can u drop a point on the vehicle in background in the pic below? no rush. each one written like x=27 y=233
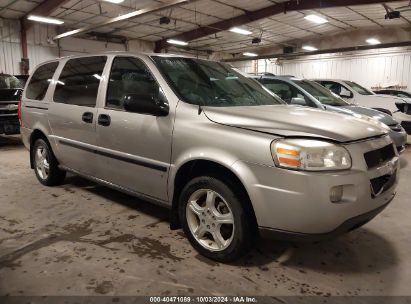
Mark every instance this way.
x=10 y=95
x=227 y=156
x=23 y=79
x=396 y=93
x=354 y=93
x=309 y=93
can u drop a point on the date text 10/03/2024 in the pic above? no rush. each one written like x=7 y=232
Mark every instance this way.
x=186 y=299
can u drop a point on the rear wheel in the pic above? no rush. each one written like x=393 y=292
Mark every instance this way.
x=214 y=220
x=45 y=164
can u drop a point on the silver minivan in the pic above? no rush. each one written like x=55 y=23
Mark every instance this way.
x=230 y=159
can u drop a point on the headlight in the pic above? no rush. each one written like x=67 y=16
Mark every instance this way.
x=309 y=155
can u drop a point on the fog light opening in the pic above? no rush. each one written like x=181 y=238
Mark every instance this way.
x=336 y=194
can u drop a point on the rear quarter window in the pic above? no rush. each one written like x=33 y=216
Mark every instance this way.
x=40 y=81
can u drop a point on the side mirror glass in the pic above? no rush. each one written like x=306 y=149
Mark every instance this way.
x=298 y=101
x=147 y=103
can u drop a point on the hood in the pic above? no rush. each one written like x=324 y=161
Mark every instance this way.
x=287 y=120
x=365 y=113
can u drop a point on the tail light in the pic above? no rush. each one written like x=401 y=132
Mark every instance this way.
x=19 y=113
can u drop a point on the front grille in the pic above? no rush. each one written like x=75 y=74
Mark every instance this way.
x=380 y=184
x=4 y=112
x=8 y=109
x=407 y=126
x=378 y=157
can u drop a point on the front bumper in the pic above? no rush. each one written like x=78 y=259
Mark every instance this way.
x=9 y=126
x=298 y=202
x=347 y=226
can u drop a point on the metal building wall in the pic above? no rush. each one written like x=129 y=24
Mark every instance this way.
x=40 y=46
x=369 y=68
x=10 y=53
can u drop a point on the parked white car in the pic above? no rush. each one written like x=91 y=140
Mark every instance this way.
x=400 y=108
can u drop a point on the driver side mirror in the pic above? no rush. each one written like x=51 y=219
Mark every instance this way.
x=147 y=103
x=298 y=101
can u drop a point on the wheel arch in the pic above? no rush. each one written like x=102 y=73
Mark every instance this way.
x=206 y=167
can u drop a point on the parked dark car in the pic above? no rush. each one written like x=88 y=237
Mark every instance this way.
x=10 y=93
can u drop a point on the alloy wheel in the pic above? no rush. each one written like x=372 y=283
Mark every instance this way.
x=41 y=160
x=210 y=219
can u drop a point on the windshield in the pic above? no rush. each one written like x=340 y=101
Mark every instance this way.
x=9 y=82
x=321 y=94
x=213 y=84
x=359 y=89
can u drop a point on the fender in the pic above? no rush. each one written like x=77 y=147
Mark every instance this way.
x=217 y=156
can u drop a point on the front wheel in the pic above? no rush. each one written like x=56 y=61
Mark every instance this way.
x=214 y=219
x=45 y=164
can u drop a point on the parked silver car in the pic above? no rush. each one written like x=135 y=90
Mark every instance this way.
x=228 y=157
x=398 y=107
x=311 y=94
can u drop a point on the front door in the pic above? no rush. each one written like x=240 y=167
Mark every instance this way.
x=72 y=115
x=135 y=148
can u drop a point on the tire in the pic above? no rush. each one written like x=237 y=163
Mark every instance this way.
x=46 y=164
x=223 y=242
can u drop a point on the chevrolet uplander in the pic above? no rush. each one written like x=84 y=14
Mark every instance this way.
x=228 y=157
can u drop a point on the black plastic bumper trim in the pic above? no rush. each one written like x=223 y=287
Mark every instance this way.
x=121 y=158
x=36 y=107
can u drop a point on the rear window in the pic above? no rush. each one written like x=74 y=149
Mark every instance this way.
x=40 y=81
x=79 y=81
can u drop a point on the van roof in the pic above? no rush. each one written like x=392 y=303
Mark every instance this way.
x=122 y=53
x=115 y=53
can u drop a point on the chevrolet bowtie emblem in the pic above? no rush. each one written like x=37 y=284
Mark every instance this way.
x=12 y=107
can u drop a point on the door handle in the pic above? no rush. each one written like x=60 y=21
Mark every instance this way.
x=87 y=117
x=104 y=120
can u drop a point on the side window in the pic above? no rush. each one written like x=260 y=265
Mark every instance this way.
x=130 y=79
x=79 y=81
x=281 y=89
x=285 y=91
x=337 y=88
x=332 y=86
x=40 y=81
